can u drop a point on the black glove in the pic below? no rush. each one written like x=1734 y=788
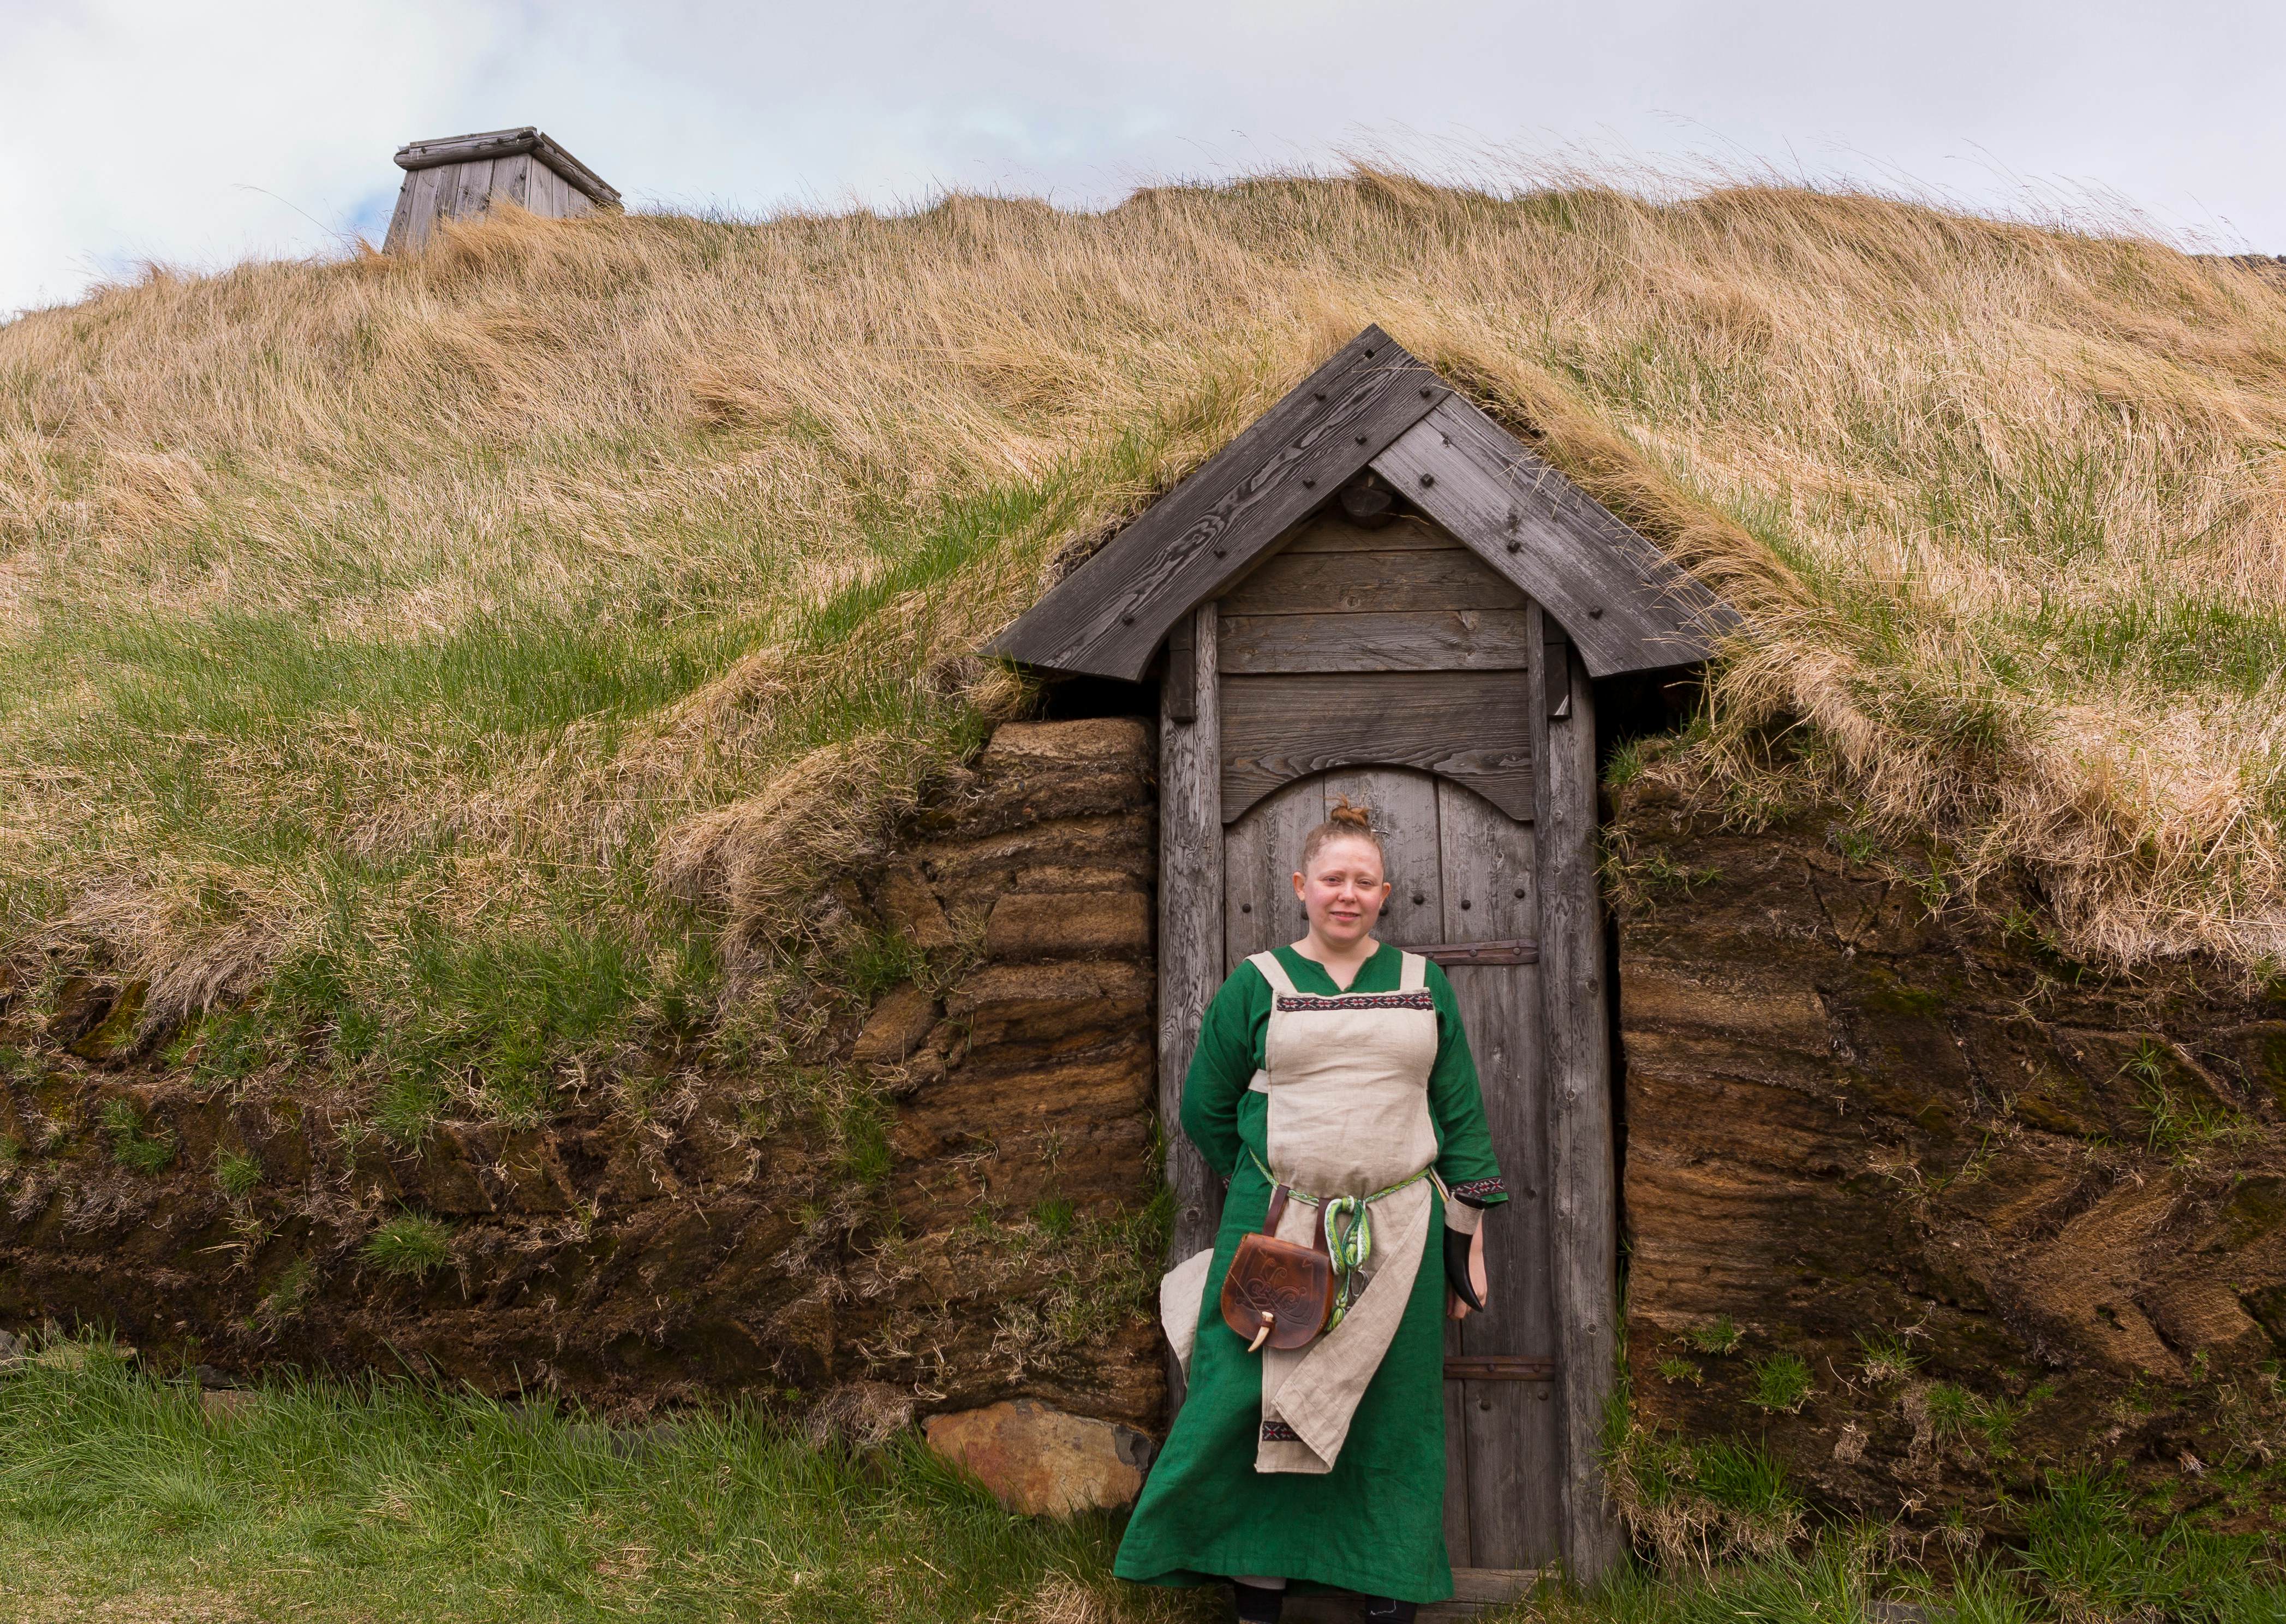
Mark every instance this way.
x=1457 y=1268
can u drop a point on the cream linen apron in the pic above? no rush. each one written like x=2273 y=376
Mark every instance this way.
x=1347 y=1077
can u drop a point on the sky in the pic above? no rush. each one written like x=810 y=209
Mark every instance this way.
x=197 y=135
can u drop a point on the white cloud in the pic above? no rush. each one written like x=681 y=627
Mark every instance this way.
x=131 y=128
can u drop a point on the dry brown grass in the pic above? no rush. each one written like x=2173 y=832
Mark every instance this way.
x=576 y=568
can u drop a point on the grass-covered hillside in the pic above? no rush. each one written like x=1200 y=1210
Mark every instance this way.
x=125 y=1496
x=455 y=673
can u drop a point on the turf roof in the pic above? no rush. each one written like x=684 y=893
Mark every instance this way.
x=486 y=655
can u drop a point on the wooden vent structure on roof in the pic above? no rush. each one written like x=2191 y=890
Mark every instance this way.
x=1377 y=591
x=457 y=178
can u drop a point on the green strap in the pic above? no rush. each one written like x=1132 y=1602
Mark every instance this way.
x=1348 y=1224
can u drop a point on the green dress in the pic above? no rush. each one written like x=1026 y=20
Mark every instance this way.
x=1375 y=1524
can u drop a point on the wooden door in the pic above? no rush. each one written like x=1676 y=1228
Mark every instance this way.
x=1463 y=873
x=1393 y=665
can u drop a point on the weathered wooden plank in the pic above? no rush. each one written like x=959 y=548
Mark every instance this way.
x=1178 y=693
x=1439 y=640
x=1498 y=1368
x=1486 y=1587
x=1262 y=851
x=420 y=212
x=1458 y=1551
x=1403 y=806
x=1623 y=604
x=1582 y=1237
x=549 y=192
x=1190 y=946
x=1458 y=724
x=1332 y=533
x=512 y=178
x=1489 y=895
x=459 y=149
x=1558 y=671
x=399 y=218
x=1355 y=582
x=1111 y=612
x=472 y=188
x=576 y=202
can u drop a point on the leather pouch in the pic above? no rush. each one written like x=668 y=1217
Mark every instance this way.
x=1277 y=1293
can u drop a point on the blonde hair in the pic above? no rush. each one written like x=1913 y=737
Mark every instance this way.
x=1343 y=822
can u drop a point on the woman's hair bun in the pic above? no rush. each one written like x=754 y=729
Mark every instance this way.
x=1343 y=822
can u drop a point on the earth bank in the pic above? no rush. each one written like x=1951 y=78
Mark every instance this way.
x=1920 y=1206
x=949 y=1206
x=1911 y=1202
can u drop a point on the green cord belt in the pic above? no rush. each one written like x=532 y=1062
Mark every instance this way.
x=1348 y=1223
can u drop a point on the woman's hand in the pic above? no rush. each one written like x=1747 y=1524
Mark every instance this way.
x=1477 y=1277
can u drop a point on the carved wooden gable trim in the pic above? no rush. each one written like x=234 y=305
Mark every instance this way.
x=1372 y=405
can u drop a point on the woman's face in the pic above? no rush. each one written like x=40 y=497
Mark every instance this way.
x=1342 y=891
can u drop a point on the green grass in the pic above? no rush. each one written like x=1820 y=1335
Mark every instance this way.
x=1698 y=1499
x=1958 y=1415
x=2179 y=1125
x=1780 y=1382
x=2087 y=1564
x=237 y=1175
x=132 y=1144
x=288 y=1294
x=1717 y=1337
x=2089 y=1556
x=1885 y=1356
x=410 y=1244
x=386 y=1501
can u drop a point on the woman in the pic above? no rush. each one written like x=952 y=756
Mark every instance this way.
x=1336 y=1068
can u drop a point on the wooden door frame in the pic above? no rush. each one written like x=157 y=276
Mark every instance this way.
x=1575 y=1033
x=1190 y=924
x=1582 y=1207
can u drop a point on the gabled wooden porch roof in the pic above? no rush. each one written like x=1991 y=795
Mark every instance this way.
x=1372 y=405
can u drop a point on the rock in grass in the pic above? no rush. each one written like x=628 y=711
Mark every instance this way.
x=1040 y=1460
x=224 y=1404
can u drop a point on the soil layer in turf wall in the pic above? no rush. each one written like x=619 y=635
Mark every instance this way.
x=2009 y=1217
x=944 y=1205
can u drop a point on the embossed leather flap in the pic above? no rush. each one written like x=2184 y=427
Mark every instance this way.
x=1277 y=1294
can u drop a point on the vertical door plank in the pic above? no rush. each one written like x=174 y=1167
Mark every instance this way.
x=1264 y=849
x=1190 y=943
x=1513 y=1465
x=1403 y=804
x=1582 y=1239
x=1460 y=1548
